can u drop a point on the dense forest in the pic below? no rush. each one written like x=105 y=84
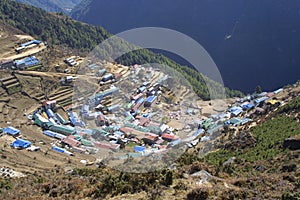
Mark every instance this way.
x=58 y=29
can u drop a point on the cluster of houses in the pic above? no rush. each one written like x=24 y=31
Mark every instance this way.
x=137 y=133
x=26 y=62
x=23 y=63
x=71 y=62
x=19 y=142
x=241 y=112
x=20 y=64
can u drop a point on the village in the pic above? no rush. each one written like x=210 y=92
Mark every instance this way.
x=117 y=112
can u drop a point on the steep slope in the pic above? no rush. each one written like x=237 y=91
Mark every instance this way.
x=58 y=29
x=260 y=37
x=52 y=5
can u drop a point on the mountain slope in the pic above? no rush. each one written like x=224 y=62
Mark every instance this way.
x=52 y=5
x=260 y=37
x=263 y=170
x=57 y=29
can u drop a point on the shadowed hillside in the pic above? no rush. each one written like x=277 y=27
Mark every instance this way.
x=257 y=38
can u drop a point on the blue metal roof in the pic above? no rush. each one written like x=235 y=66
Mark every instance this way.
x=30 y=43
x=50 y=113
x=139 y=149
x=20 y=143
x=248 y=106
x=198 y=132
x=236 y=110
x=11 y=131
x=259 y=100
x=49 y=133
x=58 y=149
x=151 y=99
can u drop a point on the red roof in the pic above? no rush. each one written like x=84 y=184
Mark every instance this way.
x=137 y=96
x=70 y=140
x=78 y=149
x=49 y=102
x=118 y=75
x=144 y=121
x=151 y=135
x=126 y=130
x=154 y=124
x=107 y=145
x=136 y=106
x=169 y=137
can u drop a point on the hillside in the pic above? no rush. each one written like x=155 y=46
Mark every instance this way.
x=251 y=163
x=253 y=36
x=58 y=29
x=53 y=5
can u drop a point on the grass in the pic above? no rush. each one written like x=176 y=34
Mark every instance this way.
x=269 y=139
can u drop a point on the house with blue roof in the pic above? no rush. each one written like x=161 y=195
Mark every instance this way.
x=20 y=144
x=247 y=106
x=11 y=131
x=235 y=111
x=139 y=149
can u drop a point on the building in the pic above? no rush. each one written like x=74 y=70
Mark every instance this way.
x=139 y=149
x=260 y=100
x=71 y=141
x=247 y=106
x=150 y=100
x=26 y=62
x=235 y=111
x=93 y=66
x=50 y=113
x=143 y=121
x=54 y=135
x=5 y=64
x=36 y=42
x=113 y=108
x=84 y=109
x=65 y=130
x=107 y=77
x=87 y=143
x=61 y=119
x=234 y=122
x=169 y=137
x=20 y=144
x=278 y=91
x=49 y=104
x=100 y=120
x=142 y=89
x=39 y=120
x=101 y=72
x=136 y=97
x=126 y=130
x=70 y=61
x=137 y=104
x=61 y=150
x=11 y=131
x=107 y=146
